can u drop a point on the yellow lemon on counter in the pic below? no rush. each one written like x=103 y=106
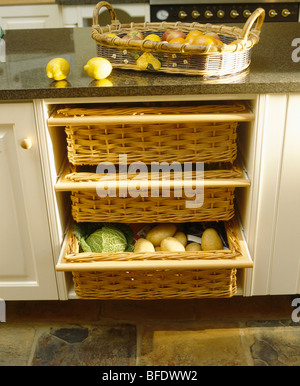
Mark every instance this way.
x=153 y=37
x=98 y=68
x=58 y=69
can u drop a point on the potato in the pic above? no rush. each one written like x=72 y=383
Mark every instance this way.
x=160 y=232
x=193 y=247
x=211 y=240
x=157 y=249
x=180 y=236
x=171 y=244
x=143 y=245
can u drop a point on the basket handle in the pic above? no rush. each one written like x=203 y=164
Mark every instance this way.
x=112 y=12
x=258 y=14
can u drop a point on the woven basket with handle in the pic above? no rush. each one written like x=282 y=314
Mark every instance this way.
x=230 y=58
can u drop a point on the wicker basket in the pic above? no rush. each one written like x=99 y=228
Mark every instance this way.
x=203 y=133
x=207 y=61
x=144 y=197
x=161 y=284
x=158 y=275
x=87 y=206
x=150 y=197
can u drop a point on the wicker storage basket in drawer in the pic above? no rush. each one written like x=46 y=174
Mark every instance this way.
x=88 y=206
x=182 y=133
x=160 y=284
x=156 y=275
x=213 y=200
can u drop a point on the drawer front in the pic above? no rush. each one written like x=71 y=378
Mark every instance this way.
x=190 y=133
x=217 y=205
x=205 y=196
x=159 y=274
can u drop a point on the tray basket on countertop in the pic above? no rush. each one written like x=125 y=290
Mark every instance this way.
x=228 y=59
x=153 y=133
x=144 y=279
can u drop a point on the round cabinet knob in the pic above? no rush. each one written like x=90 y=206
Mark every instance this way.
x=285 y=12
x=272 y=13
x=26 y=143
x=234 y=14
x=208 y=14
x=195 y=14
x=220 y=13
x=182 y=14
x=246 y=13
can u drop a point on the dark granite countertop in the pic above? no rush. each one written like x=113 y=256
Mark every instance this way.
x=23 y=75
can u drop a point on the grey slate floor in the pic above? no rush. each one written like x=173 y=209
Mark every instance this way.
x=255 y=331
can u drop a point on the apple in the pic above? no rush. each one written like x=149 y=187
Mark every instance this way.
x=173 y=34
x=134 y=34
x=213 y=34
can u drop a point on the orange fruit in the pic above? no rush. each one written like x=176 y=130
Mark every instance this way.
x=192 y=35
x=177 y=41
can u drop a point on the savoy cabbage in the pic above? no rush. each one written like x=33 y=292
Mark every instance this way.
x=104 y=237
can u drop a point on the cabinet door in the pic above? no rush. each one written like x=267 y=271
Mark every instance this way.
x=30 y=16
x=285 y=274
x=26 y=261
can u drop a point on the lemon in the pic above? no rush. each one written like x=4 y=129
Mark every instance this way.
x=111 y=35
x=153 y=37
x=58 y=69
x=98 y=68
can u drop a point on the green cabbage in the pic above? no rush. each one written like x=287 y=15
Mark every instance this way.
x=107 y=240
x=104 y=237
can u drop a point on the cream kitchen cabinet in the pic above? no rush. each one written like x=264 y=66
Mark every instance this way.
x=30 y=16
x=285 y=276
x=277 y=257
x=26 y=261
x=81 y=15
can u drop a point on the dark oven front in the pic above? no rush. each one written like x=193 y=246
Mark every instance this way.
x=220 y=11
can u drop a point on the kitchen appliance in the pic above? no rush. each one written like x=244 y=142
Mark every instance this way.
x=221 y=11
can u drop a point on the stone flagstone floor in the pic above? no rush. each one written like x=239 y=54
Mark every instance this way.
x=256 y=331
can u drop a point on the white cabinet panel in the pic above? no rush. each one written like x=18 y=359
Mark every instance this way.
x=26 y=261
x=30 y=16
x=285 y=266
x=13 y=231
x=276 y=253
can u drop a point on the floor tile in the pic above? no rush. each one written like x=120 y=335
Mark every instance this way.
x=199 y=346
x=86 y=346
x=16 y=342
x=274 y=343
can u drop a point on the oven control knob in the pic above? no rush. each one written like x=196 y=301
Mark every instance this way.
x=285 y=12
x=272 y=13
x=182 y=14
x=195 y=14
x=220 y=13
x=162 y=14
x=246 y=13
x=234 y=14
x=208 y=14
